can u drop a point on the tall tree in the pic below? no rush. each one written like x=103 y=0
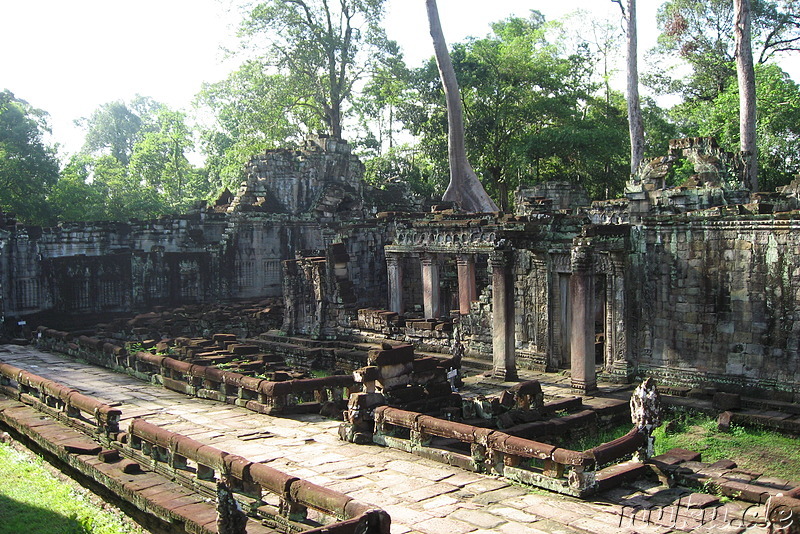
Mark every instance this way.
x=28 y=166
x=465 y=189
x=321 y=46
x=747 y=91
x=778 y=129
x=530 y=112
x=112 y=129
x=251 y=111
x=159 y=159
x=386 y=89
x=701 y=33
x=635 y=122
x=100 y=188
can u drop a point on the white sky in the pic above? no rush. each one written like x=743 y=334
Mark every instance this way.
x=68 y=57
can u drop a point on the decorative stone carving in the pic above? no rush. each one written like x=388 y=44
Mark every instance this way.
x=230 y=517
x=646 y=411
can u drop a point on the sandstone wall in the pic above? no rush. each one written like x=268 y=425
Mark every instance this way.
x=718 y=300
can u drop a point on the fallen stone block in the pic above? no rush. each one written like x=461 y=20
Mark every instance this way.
x=726 y=401
x=130 y=467
x=81 y=447
x=108 y=455
x=395 y=355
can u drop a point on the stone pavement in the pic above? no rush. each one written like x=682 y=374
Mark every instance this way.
x=420 y=495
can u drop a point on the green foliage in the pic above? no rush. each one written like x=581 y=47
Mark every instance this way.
x=530 y=110
x=28 y=167
x=32 y=500
x=388 y=86
x=253 y=111
x=679 y=173
x=320 y=47
x=701 y=33
x=159 y=160
x=111 y=129
x=133 y=166
x=101 y=189
x=778 y=129
x=403 y=164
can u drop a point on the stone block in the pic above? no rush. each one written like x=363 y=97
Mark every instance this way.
x=724 y=421
x=684 y=455
x=394 y=355
x=392 y=383
x=723 y=464
x=726 y=401
x=366 y=374
x=394 y=370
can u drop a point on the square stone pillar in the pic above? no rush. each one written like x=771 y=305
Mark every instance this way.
x=430 y=287
x=504 y=358
x=467 y=290
x=394 y=270
x=619 y=366
x=581 y=300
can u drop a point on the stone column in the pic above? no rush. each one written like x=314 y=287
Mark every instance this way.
x=504 y=360
x=467 y=291
x=581 y=300
x=430 y=287
x=621 y=369
x=394 y=270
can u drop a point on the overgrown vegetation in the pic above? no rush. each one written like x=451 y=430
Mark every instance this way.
x=754 y=449
x=589 y=440
x=33 y=500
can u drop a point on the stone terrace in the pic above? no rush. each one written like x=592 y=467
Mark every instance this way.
x=420 y=495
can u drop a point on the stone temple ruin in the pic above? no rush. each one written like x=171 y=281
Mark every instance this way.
x=696 y=286
x=692 y=285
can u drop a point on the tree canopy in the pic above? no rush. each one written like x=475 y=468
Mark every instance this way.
x=322 y=48
x=28 y=166
x=531 y=111
x=701 y=32
x=537 y=97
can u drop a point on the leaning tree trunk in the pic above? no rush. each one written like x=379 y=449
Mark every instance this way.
x=464 y=189
x=747 y=92
x=635 y=124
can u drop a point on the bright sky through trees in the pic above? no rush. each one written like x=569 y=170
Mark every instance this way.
x=68 y=58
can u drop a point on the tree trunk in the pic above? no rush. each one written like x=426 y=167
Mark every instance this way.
x=464 y=189
x=747 y=92
x=635 y=123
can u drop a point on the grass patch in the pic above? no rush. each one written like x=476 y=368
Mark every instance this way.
x=33 y=500
x=754 y=449
x=604 y=435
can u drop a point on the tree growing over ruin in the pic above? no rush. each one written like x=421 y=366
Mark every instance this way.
x=465 y=189
x=701 y=34
x=322 y=47
x=635 y=122
x=531 y=112
x=747 y=91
